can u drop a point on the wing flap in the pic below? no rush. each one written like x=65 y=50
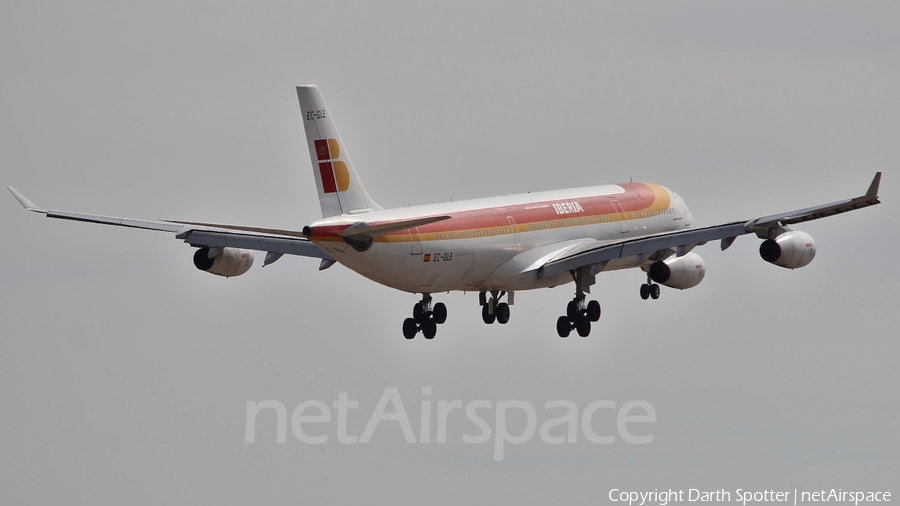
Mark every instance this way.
x=640 y=246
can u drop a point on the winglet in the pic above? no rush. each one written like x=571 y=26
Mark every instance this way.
x=872 y=193
x=27 y=204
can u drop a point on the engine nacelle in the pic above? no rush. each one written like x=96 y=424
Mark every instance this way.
x=679 y=272
x=229 y=262
x=790 y=250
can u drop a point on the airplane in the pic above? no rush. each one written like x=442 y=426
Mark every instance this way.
x=495 y=246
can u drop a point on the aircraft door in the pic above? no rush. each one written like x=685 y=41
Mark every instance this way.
x=623 y=222
x=416 y=241
x=515 y=231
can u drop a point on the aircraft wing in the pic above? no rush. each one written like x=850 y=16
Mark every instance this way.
x=199 y=234
x=596 y=254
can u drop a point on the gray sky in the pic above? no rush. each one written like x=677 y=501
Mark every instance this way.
x=125 y=372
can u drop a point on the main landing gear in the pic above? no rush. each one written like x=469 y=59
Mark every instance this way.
x=649 y=290
x=491 y=310
x=425 y=318
x=578 y=316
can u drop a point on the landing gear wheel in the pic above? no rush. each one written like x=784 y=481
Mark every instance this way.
x=410 y=328
x=440 y=313
x=429 y=329
x=486 y=317
x=583 y=326
x=645 y=292
x=654 y=291
x=502 y=312
x=572 y=310
x=562 y=326
x=419 y=314
x=593 y=310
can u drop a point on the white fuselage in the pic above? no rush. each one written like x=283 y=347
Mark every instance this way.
x=498 y=243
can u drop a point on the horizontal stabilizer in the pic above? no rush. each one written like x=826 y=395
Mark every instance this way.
x=364 y=229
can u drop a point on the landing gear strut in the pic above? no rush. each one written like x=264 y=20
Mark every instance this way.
x=578 y=314
x=492 y=310
x=425 y=318
x=649 y=290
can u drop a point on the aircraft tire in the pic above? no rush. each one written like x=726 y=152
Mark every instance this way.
x=440 y=313
x=562 y=327
x=583 y=326
x=429 y=329
x=485 y=317
x=410 y=328
x=654 y=291
x=572 y=311
x=645 y=292
x=593 y=310
x=419 y=314
x=502 y=311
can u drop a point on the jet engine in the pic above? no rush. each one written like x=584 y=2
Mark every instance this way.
x=226 y=262
x=679 y=272
x=790 y=250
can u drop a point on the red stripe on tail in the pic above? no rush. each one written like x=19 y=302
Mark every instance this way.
x=327 y=174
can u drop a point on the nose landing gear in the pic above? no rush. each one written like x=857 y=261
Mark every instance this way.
x=425 y=318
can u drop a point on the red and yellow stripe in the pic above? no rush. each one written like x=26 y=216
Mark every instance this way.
x=640 y=200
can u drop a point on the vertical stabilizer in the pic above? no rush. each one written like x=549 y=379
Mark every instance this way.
x=339 y=187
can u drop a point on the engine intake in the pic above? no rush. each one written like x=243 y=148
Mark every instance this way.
x=682 y=272
x=790 y=250
x=228 y=262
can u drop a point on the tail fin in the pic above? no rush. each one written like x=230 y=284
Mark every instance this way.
x=340 y=190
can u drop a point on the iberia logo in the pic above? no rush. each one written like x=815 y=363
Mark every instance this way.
x=335 y=176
